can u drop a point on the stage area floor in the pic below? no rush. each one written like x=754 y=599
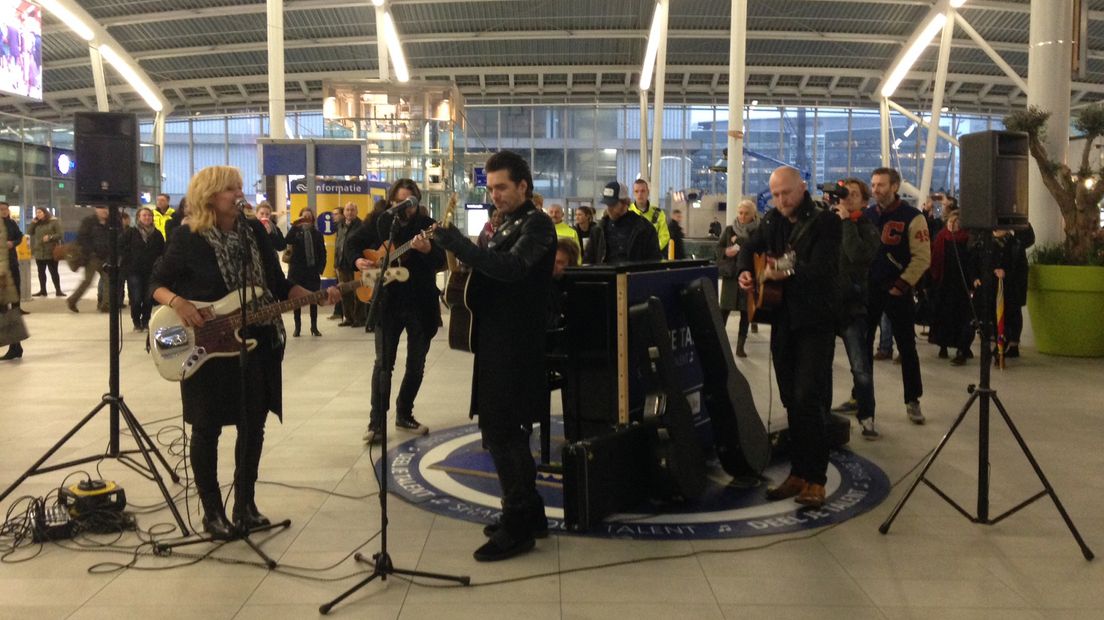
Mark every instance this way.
x=317 y=472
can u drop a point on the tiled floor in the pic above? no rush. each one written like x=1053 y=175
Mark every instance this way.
x=933 y=563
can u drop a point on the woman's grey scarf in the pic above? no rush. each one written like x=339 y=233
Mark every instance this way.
x=228 y=250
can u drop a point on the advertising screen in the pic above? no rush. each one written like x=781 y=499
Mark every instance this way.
x=21 y=49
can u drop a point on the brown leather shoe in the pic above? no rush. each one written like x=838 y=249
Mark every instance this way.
x=789 y=488
x=812 y=496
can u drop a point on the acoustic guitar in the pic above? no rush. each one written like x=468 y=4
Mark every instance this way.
x=366 y=292
x=458 y=297
x=765 y=295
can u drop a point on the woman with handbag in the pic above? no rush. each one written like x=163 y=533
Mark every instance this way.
x=12 y=329
x=45 y=232
x=733 y=297
x=308 y=260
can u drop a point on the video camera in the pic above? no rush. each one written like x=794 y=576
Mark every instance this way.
x=834 y=192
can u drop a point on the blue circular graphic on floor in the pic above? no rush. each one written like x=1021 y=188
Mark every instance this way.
x=448 y=473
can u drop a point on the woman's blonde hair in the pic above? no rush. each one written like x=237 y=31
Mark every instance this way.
x=749 y=204
x=203 y=186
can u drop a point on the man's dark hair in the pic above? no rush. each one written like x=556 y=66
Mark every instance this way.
x=864 y=190
x=640 y=182
x=517 y=167
x=167 y=197
x=4 y=203
x=894 y=176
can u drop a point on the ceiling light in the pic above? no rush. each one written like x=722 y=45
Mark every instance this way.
x=131 y=76
x=754 y=102
x=913 y=53
x=957 y=3
x=394 y=48
x=380 y=2
x=652 y=50
x=67 y=17
x=911 y=128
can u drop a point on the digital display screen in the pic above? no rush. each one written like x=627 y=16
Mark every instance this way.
x=21 y=49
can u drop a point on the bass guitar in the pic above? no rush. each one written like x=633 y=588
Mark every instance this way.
x=179 y=351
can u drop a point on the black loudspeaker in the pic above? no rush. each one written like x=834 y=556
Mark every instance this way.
x=993 y=173
x=106 y=149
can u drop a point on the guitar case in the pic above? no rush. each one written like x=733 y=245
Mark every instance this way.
x=739 y=436
x=678 y=464
x=606 y=474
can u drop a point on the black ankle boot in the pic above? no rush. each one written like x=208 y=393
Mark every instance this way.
x=15 y=351
x=740 y=346
x=214 y=516
x=246 y=515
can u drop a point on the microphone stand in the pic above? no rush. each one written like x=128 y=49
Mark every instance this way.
x=381 y=560
x=243 y=534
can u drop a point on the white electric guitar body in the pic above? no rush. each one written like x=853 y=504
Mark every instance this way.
x=179 y=351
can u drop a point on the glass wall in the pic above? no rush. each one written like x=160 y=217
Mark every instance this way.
x=576 y=149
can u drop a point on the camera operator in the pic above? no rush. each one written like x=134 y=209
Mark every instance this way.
x=859 y=243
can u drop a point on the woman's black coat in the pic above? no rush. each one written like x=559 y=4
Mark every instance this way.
x=305 y=276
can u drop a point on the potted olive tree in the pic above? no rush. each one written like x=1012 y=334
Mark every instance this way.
x=1066 y=280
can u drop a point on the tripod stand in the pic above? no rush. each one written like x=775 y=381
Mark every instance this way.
x=382 y=566
x=243 y=533
x=983 y=394
x=113 y=401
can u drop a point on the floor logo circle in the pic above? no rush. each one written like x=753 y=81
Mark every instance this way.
x=449 y=473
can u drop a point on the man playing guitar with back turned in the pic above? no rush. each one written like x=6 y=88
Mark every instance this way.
x=411 y=306
x=802 y=327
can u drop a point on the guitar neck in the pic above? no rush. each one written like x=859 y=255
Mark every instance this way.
x=271 y=311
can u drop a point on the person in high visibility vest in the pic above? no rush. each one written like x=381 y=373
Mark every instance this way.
x=652 y=213
x=163 y=213
x=563 y=230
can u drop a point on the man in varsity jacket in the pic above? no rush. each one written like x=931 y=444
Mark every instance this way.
x=902 y=258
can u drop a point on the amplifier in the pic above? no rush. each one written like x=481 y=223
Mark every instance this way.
x=91 y=496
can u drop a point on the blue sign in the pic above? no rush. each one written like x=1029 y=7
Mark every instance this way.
x=326 y=224
x=479 y=177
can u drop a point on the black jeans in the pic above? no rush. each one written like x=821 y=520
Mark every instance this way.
x=902 y=317
x=297 y=316
x=418 y=338
x=141 y=302
x=803 y=366
x=247 y=455
x=52 y=265
x=517 y=473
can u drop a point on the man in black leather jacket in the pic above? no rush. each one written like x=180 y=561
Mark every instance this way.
x=509 y=291
x=803 y=327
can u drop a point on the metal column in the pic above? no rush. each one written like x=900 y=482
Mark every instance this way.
x=660 y=78
x=276 y=94
x=937 y=106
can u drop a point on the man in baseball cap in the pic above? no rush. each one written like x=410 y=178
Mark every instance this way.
x=621 y=235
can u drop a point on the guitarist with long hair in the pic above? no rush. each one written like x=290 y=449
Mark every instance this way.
x=203 y=263
x=410 y=306
x=803 y=327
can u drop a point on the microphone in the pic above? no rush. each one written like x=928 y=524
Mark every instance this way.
x=241 y=204
x=412 y=201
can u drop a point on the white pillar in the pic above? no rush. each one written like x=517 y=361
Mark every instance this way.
x=655 y=176
x=937 y=107
x=884 y=108
x=644 y=135
x=381 y=46
x=98 y=79
x=737 y=76
x=1048 y=86
x=159 y=139
x=276 y=96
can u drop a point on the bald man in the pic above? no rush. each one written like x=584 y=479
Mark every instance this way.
x=807 y=238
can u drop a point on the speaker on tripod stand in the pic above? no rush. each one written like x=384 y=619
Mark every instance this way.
x=993 y=197
x=106 y=150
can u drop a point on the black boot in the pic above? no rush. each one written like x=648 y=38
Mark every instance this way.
x=246 y=515
x=214 y=516
x=15 y=351
x=740 y=346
